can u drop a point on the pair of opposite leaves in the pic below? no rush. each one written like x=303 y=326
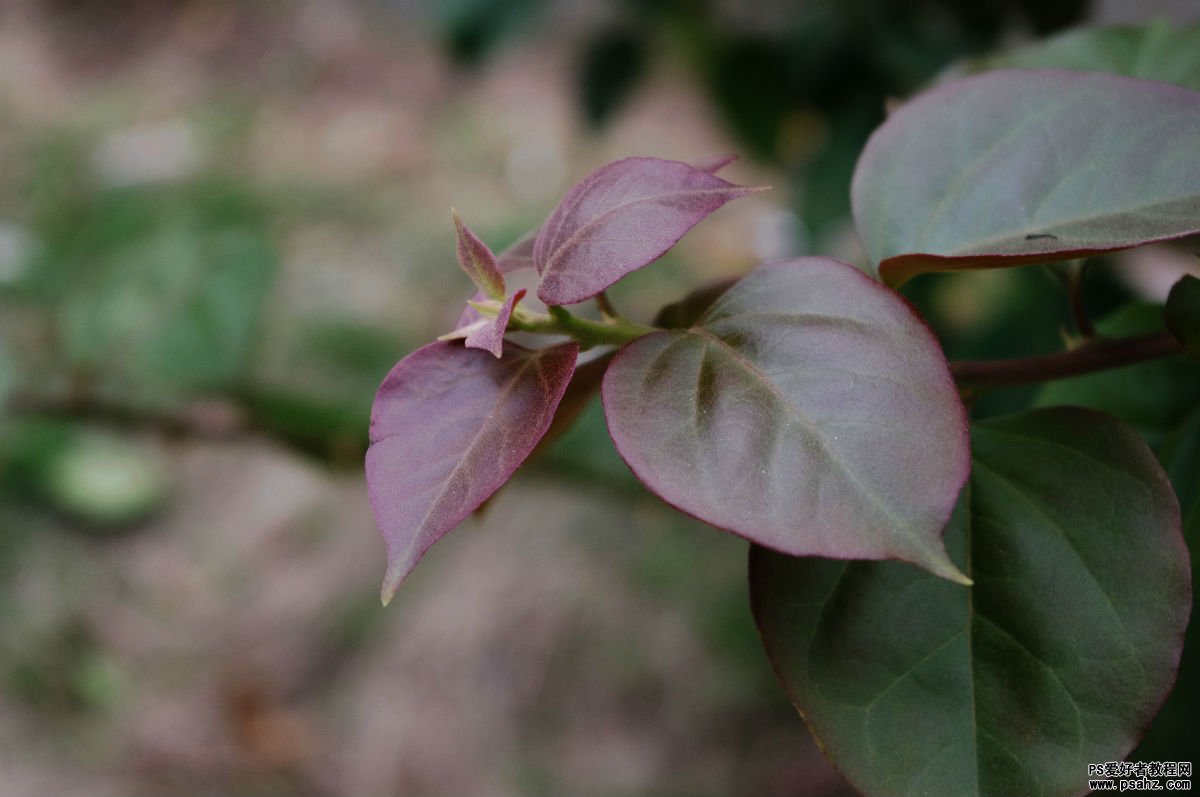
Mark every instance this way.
x=808 y=409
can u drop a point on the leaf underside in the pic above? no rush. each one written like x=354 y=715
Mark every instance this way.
x=809 y=410
x=1059 y=655
x=450 y=425
x=1028 y=166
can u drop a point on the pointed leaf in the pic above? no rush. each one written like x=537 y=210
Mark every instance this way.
x=620 y=218
x=1183 y=314
x=1015 y=167
x=478 y=261
x=518 y=257
x=490 y=337
x=809 y=410
x=450 y=425
x=1056 y=658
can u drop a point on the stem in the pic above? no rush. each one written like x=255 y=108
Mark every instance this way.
x=1096 y=355
x=214 y=420
x=613 y=332
x=1075 y=277
x=607 y=311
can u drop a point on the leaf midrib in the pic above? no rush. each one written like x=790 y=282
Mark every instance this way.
x=553 y=261
x=811 y=428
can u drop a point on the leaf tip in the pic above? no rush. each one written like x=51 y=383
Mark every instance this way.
x=942 y=566
x=391 y=581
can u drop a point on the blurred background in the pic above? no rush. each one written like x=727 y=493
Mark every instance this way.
x=221 y=223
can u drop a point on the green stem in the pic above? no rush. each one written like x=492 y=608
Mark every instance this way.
x=613 y=332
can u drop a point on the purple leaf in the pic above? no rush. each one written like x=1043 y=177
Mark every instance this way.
x=517 y=257
x=450 y=425
x=1028 y=166
x=478 y=261
x=620 y=218
x=809 y=410
x=491 y=337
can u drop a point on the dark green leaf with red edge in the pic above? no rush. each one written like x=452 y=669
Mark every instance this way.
x=620 y=218
x=1056 y=658
x=1015 y=166
x=450 y=425
x=809 y=410
x=1183 y=314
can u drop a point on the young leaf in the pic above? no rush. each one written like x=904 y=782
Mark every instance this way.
x=478 y=261
x=490 y=337
x=450 y=425
x=620 y=218
x=1015 y=167
x=518 y=257
x=809 y=410
x=1183 y=314
x=1056 y=658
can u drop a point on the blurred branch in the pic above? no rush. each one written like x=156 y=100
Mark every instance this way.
x=213 y=419
x=216 y=419
x=1096 y=355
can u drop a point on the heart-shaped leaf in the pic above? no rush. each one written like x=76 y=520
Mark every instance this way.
x=450 y=425
x=1055 y=659
x=620 y=218
x=1014 y=167
x=809 y=410
x=1183 y=314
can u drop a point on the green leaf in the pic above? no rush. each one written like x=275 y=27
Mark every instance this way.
x=1057 y=658
x=1183 y=314
x=1156 y=51
x=1015 y=167
x=177 y=309
x=1180 y=455
x=808 y=409
x=1154 y=397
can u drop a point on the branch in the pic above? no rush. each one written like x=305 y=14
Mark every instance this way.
x=213 y=419
x=1097 y=355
